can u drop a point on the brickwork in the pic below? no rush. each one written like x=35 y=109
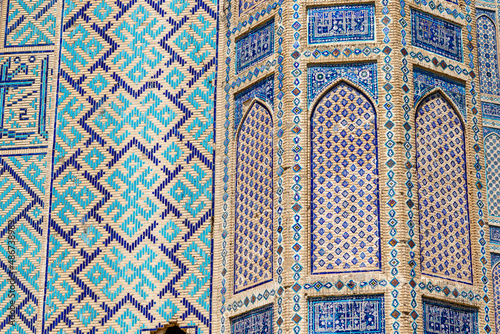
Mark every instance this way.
x=249 y=166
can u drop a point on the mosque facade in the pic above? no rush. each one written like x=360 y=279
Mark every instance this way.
x=250 y=166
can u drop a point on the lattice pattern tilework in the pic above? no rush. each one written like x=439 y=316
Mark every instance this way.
x=344 y=183
x=354 y=315
x=253 y=238
x=441 y=318
x=442 y=192
x=25 y=81
x=22 y=191
x=341 y=23
x=255 y=322
x=492 y=157
x=129 y=244
x=30 y=23
x=487 y=55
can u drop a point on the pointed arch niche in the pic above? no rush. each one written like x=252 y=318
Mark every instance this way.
x=489 y=75
x=253 y=234
x=345 y=228
x=492 y=156
x=445 y=247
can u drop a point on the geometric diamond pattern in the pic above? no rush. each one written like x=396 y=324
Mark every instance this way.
x=22 y=189
x=442 y=192
x=344 y=182
x=31 y=23
x=253 y=258
x=130 y=223
x=491 y=152
x=487 y=56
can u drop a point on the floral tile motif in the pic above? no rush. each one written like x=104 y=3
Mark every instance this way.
x=264 y=89
x=425 y=81
x=362 y=74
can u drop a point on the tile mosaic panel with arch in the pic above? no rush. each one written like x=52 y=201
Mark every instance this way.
x=345 y=226
x=477 y=204
x=253 y=245
x=487 y=46
x=445 y=245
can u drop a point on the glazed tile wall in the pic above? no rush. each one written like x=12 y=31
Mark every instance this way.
x=445 y=247
x=397 y=76
x=253 y=236
x=108 y=174
x=487 y=30
x=345 y=225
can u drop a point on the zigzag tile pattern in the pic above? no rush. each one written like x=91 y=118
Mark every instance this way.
x=31 y=23
x=22 y=190
x=129 y=244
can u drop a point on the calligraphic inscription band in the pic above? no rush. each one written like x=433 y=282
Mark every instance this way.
x=255 y=46
x=341 y=23
x=435 y=35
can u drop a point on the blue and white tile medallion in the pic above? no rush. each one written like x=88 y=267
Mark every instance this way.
x=444 y=318
x=341 y=23
x=255 y=46
x=259 y=321
x=350 y=315
x=436 y=35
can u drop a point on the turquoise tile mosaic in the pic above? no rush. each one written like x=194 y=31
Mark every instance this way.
x=30 y=23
